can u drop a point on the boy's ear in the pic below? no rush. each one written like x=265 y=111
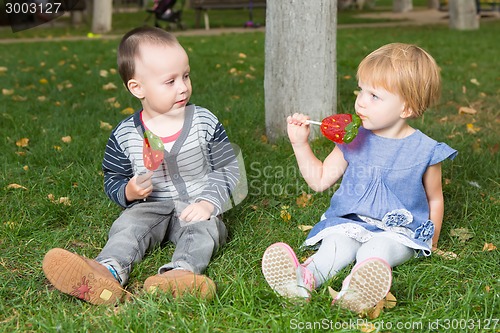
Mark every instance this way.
x=407 y=112
x=135 y=88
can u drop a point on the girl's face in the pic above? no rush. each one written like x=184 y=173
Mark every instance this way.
x=162 y=78
x=381 y=112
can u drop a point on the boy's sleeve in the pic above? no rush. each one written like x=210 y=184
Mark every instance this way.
x=224 y=168
x=117 y=170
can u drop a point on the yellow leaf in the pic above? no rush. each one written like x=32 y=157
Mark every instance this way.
x=475 y=81
x=43 y=81
x=264 y=139
x=285 y=214
x=249 y=76
x=16 y=186
x=65 y=201
x=471 y=129
x=105 y=126
x=109 y=86
x=390 y=301
x=58 y=148
x=127 y=111
x=22 y=142
x=66 y=139
x=489 y=247
x=242 y=55
x=112 y=71
x=25 y=168
x=111 y=100
x=3 y=69
x=466 y=110
x=366 y=327
x=103 y=73
x=7 y=92
x=116 y=105
x=305 y=227
x=41 y=98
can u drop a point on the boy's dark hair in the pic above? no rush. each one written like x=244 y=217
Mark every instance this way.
x=128 y=49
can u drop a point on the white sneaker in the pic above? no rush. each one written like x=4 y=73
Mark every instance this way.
x=284 y=274
x=368 y=283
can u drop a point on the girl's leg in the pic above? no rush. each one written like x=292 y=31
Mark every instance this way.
x=393 y=252
x=336 y=252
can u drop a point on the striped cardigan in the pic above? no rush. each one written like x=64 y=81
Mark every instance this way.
x=201 y=165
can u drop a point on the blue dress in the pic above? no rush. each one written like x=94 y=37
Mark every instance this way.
x=382 y=191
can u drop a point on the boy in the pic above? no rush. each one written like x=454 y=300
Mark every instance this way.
x=179 y=201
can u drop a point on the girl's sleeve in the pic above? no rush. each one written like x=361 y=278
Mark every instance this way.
x=442 y=152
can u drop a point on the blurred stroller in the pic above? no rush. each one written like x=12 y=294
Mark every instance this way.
x=163 y=10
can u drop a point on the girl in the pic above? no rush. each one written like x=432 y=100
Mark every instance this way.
x=389 y=206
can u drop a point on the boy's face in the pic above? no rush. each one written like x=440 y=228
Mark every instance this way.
x=161 y=78
x=379 y=109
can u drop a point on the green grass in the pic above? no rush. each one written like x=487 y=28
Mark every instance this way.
x=73 y=102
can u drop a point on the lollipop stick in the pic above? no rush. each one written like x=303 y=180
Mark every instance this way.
x=313 y=122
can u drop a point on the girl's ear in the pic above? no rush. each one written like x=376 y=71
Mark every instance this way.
x=135 y=88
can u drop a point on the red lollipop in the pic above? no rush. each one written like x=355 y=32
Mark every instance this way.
x=340 y=128
x=152 y=150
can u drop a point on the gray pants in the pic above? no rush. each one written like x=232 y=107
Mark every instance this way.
x=148 y=224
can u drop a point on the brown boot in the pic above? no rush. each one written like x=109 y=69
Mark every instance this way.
x=179 y=282
x=81 y=277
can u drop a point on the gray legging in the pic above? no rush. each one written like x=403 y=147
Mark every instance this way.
x=337 y=251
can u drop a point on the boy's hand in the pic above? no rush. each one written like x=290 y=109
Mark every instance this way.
x=297 y=128
x=197 y=211
x=139 y=187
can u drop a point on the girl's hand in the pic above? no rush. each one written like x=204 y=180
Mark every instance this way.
x=197 y=211
x=139 y=187
x=297 y=128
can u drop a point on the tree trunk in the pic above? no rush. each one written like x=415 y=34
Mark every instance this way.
x=300 y=73
x=102 y=14
x=433 y=4
x=403 y=6
x=463 y=15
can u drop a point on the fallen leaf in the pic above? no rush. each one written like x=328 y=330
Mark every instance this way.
x=105 y=126
x=489 y=247
x=66 y=139
x=285 y=214
x=448 y=255
x=22 y=142
x=18 y=98
x=43 y=81
x=103 y=73
x=390 y=301
x=242 y=55
x=305 y=227
x=58 y=148
x=7 y=92
x=466 y=110
x=16 y=186
x=3 y=69
x=471 y=129
x=109 y=86
x=463 y=234
x=475 y=81
x=41 y=98
x=127 y=111
x=332 y=292
x=304 y=200
x=25 y=168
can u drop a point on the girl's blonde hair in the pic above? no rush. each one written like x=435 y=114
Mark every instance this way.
x=406 y=70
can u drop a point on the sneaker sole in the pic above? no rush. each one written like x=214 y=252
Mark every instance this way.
x=73 y=275
x=190 y=284
x=279 y=266
x=369 y=284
